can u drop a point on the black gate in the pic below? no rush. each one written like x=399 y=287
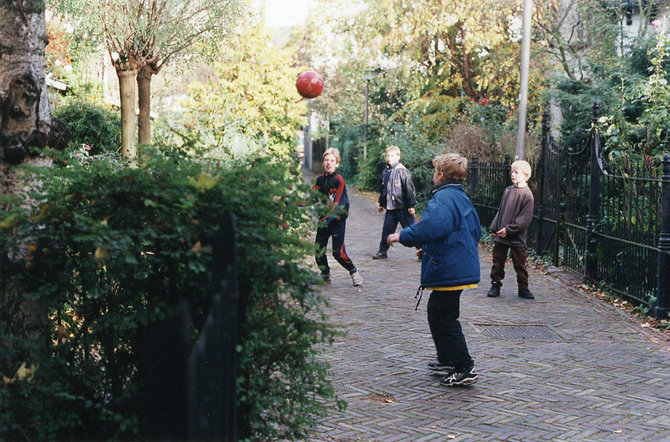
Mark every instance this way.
x=188 y=389
x=610 y=224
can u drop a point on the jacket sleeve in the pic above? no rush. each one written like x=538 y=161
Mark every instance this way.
x=382 y=188
x=434 y=225
x=494 y=227
x=408 y=191
x=494 y=224
x=522 y=220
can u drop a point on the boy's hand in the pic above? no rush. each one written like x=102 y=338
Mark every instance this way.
x=393 y=237
x=502 y=232
x=419 y=252
x=380 y=209
x=411 y=210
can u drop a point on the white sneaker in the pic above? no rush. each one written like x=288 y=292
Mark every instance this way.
x=356 y=277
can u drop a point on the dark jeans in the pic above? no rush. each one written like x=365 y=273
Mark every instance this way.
x=336 y=230
x=518 y=260
x=443 y=312
x=391 y=220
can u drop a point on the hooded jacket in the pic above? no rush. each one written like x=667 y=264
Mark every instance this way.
x=448 y=233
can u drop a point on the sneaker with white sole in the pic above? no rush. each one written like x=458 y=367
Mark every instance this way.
x=460 y=377
x=439 y=369
x=356 y=277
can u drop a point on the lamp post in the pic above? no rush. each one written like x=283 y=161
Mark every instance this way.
x=523 y=81
x=369 y=75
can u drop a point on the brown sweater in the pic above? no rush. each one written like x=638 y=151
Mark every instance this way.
x=514 y=214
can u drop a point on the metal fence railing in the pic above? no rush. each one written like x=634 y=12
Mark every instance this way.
x=612 y=225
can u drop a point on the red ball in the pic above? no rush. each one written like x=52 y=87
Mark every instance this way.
x=309 y=84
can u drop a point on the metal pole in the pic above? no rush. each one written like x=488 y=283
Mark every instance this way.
x=365 y=134
x=523 y=82
x=474 y=177
x=307 y=143
x=662 y=298
x=508 y=170
x=539 y=240
x=594 y=200
x=557 y=202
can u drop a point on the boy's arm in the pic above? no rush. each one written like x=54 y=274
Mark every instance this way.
x=382 y=198
x=432 y=226
x=493 y=228
x=409 y=192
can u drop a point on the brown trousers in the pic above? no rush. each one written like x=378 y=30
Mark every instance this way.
x=518 y=260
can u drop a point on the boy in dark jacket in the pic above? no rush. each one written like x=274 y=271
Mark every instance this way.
x=333 y=223
x=448 y=234
x=396 y=196
x=509 y=227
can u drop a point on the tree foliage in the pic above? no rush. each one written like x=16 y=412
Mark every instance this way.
x=439 y=60
x=140 y=36
x=251 y=91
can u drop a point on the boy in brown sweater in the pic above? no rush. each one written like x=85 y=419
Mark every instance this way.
x=509 y=227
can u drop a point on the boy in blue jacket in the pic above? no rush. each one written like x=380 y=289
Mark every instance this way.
x=448 y=234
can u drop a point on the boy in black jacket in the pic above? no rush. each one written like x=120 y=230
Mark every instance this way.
x=397 y=196
x=334 y=221
x=509 y=227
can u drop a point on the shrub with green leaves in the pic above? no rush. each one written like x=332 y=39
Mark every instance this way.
x=91 y=125
x=113 y=249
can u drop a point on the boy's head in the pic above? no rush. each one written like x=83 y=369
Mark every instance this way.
x=330 y=159
x=392 y=154
x=450 y=166
x=520 y=171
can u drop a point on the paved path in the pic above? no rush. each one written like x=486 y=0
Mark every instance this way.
x=562 y=367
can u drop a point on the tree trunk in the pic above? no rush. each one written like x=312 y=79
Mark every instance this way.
x=25 y=117
x=144 y=99
x=25 y=121
x=128 y=93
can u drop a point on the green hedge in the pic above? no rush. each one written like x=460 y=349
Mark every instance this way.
x=113 y=249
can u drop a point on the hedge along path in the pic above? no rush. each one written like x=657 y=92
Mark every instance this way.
x=563 y=366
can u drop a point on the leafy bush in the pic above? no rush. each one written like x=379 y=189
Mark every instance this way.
x=111 y=250
x=91 y=125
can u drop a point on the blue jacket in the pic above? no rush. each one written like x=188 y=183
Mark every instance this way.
x=448 y=233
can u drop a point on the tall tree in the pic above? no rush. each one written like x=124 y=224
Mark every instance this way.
x=25 y=122
x=141 y=36
x=174 y=25
x=25 y=118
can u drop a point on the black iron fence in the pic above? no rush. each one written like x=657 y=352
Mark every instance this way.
x=188 y=389
x=610 y=224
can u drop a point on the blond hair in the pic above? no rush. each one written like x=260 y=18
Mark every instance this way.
x=393 y=149
x=523 y=167
x=332 y=151
x=452 y=165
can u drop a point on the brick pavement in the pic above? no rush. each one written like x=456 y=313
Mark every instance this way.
x=564 y=366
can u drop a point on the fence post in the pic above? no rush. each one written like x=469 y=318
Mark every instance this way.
x=594 y=199
x=474 y=177
x=539 y=240
x=212 y=365
x=508 y=164
x=557 y=202
x=662 y=301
